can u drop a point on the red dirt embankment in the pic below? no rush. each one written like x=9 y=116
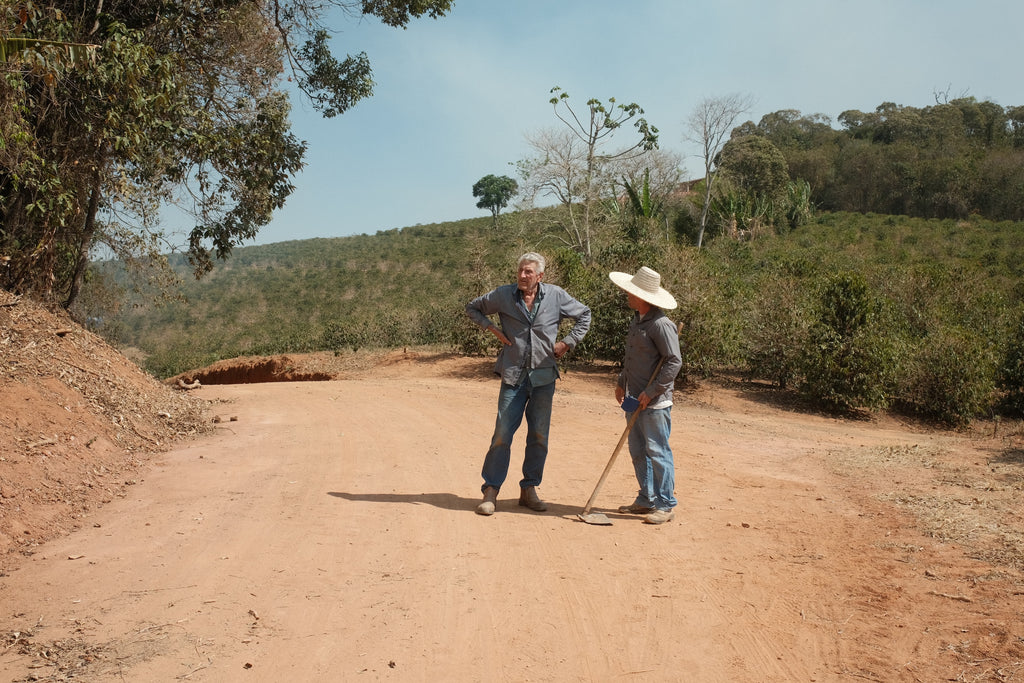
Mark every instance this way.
x=252 y=370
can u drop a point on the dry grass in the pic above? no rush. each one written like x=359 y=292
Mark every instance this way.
x=956 y=497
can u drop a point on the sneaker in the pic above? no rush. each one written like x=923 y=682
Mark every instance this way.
x=635 y=509
x=660 y=517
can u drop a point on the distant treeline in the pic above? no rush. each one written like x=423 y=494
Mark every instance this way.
x=949 y=160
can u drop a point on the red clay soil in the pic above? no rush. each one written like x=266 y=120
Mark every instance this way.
x=252 y=370
x=77 y=420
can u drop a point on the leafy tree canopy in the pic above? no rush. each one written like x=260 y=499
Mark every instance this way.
x=114 y=111
x=956 y=158
x=755 y=165
x=494 y=193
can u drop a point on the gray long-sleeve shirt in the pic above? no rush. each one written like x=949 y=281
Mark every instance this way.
x=649 y=339
x=533 y=336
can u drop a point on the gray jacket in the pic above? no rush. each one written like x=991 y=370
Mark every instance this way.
x=650 y=338
x=533 y=342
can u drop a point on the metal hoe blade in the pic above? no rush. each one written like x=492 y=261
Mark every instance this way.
x=598 y=518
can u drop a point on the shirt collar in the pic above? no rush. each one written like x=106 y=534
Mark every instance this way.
x=540 y=292
x=651 y=314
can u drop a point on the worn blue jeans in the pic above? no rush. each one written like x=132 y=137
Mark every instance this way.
x=513 y=403
x=652 y=458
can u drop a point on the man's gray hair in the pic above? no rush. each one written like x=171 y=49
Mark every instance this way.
x=532 y=257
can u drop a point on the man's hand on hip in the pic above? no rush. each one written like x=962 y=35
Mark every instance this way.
x=501 y=336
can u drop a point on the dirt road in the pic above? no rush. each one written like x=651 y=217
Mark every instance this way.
x=328 y=534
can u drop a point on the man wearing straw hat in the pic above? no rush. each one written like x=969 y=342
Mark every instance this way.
x=651 y=338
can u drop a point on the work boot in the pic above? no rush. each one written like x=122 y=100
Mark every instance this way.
x=635 y=509
x=487 y=506
x=528 y=498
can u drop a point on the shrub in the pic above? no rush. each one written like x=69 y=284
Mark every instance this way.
x=609 y=323
x=950 y=378
x=778 y=332
x=714 y=293
x=176 y=360
x=344 y=334
x=609 y=314
x=846 y=363
x=798 y=203
x=471 y=340
x=712 y=335
x=390 y=328
x=440 y=325
x=1010 y=376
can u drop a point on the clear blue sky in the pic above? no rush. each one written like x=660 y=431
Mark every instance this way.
x=454 y=97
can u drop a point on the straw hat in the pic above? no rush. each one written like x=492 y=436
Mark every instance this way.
x=646 y=284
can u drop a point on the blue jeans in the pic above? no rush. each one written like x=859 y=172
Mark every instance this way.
x=652 y=458
x=513 y=403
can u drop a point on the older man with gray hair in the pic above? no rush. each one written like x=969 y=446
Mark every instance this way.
x=529 y=313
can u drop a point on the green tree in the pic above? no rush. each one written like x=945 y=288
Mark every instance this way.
x=949 y=160
x=494 y=193
x=758 y=182
x=182 y=105
x=1000 y=185
x=1015 y=126
x=76 y=140
x=755 y=166
x=808 y=143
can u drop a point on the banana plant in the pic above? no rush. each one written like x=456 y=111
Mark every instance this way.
x=640 y=200
x=799 y=208
x=639 y=209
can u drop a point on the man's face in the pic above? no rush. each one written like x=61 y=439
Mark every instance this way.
x=636 y=303
x=527 y=277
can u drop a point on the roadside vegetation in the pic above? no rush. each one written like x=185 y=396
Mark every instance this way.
x=850 y=311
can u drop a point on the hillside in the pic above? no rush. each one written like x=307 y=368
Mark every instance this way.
x=366 y=291
x=935 y=304
x=78 y=421
x=408 y=286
